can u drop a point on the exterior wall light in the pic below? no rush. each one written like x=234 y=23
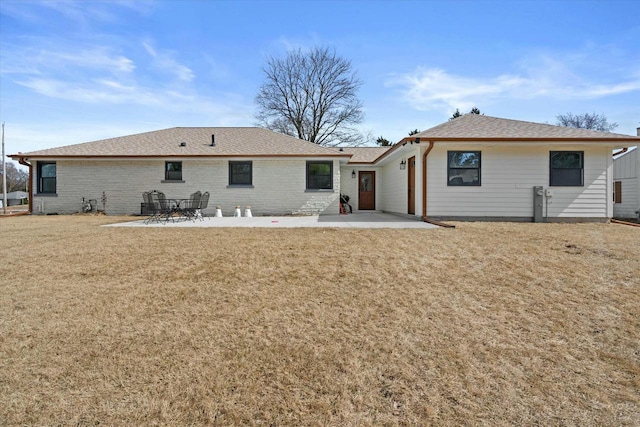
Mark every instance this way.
x=353 y=174
x=403 y=164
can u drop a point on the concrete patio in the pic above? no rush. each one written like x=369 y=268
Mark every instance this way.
x=361 y=220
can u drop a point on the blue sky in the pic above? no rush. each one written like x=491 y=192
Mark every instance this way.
x=77 y=71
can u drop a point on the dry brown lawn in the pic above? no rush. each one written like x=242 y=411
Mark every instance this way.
x=485 y=324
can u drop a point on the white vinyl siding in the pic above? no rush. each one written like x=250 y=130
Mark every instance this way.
x=626 y=169
x=394 y=193
x=509 y=174
x=395 y=197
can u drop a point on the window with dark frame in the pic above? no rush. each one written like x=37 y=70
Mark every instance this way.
x=566 y=168
x=463 y=168
x=617 y=191
x=319 y=175
x=173 y=171
x=240 y=173
x=47 y=176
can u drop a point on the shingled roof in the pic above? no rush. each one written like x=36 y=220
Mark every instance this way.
x=365 y=154
x=474 y=127
x=194 y=142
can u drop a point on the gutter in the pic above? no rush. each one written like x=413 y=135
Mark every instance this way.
x=177 y=155
x=23 y=162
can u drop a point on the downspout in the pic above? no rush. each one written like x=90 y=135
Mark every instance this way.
x=424 y=181
x=425 y=218
x=23 y=162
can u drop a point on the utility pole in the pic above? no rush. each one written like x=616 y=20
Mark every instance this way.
x=4 y=176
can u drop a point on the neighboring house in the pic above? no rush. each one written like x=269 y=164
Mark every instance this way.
x=14 y=198
x=473 y=167
x=626 y=185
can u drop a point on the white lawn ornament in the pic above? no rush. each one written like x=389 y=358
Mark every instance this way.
x=237 y=212
x=247 y=212
x=218 y=212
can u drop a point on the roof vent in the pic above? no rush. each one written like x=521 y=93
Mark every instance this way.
x=183 y=144
x=213 y=140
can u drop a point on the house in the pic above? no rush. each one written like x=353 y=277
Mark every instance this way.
x=626 y=184
x=474 y=167
x=14 y=198
x=477 y=167
x=271 y=172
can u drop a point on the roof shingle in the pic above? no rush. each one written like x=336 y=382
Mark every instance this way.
x=365 y=154
x=229 y=142
x=480 y=127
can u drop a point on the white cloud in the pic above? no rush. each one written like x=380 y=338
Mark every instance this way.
x=150 y=50
x=114 y=109
x=82 y=13
x=95 y=74
x=434 y=88
x=100 y=91
x=163 y=60
x=47 y=59
x=99 y=58
x=164 y=100
x=182 y=72
x=608 y=90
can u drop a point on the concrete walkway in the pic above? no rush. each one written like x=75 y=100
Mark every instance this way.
x=361 y=220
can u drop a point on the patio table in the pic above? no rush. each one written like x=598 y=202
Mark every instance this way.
x=181 y=207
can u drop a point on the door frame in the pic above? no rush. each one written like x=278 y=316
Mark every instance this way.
x=411 y=185
x=373 y=190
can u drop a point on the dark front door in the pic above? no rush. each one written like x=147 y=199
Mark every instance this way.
x=411 y=209
x=367 y=191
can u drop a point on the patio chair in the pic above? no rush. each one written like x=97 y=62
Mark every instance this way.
x=162 y=208
x=191 y=205
x=152 y=207
x=166 y=210
x=204 y=202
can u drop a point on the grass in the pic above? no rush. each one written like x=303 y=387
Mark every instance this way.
x=485 y=324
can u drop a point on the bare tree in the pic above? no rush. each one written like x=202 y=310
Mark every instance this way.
x=16 y=178
x=586 y=121
x=311 y=95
